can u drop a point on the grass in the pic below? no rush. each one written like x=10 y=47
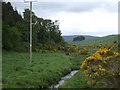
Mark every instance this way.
x=45 y=70
x=96 y=41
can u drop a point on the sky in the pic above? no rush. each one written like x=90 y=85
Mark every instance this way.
x=77 y=17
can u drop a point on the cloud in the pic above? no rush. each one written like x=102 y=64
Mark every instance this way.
x=75 y=7
x=91 y=17
x=94 y=23
x=45 y=9
x=63 y=0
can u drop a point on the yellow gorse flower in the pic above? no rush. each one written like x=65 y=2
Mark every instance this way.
x=85 y=71
x=102 y=69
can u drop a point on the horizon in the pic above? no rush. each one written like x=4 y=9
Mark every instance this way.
x=91 y=35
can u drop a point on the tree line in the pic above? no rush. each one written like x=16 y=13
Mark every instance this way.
x=15 y=30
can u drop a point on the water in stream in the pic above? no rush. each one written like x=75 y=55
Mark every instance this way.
x=68 y=76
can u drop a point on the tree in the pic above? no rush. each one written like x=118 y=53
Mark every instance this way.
x=79 y=38
x=9 y=15
x=16 y=29
x=26 y=16
x=10 y=36
x=23 y=28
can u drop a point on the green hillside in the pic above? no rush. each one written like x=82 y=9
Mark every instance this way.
x=95 y=41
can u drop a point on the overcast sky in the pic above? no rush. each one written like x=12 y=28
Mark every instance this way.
x=77 y=17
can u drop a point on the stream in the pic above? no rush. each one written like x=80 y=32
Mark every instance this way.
x=68 y=76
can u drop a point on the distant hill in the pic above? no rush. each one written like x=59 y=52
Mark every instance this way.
x=97 y=40
x=70 y=37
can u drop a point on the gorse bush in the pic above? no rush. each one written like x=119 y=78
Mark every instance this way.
x=103 y=67
x=84 y=51
x=67 y=53
x=70 y=48
x=53 y=50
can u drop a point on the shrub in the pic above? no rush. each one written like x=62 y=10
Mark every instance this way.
x=53 y=51
x=115 y=42
x=23 y=47
x=59 y=47
x=43 y=51
x=70 y=48
x=84 y=51
x=68 y=53
x=35 y=50
x=103 y=67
